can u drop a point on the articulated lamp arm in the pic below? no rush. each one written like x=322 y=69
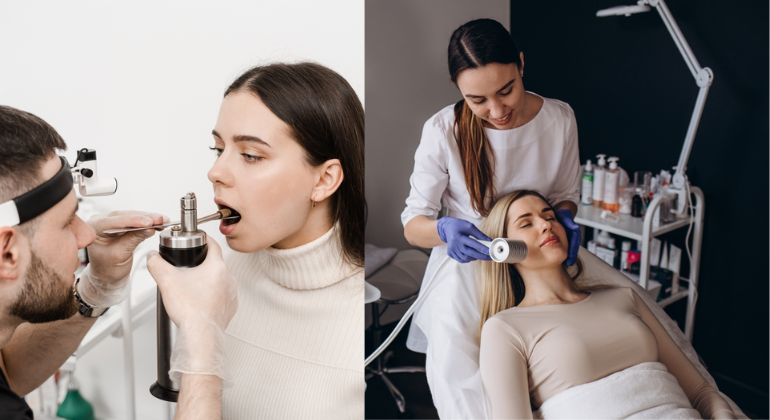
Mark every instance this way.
x=703 y=78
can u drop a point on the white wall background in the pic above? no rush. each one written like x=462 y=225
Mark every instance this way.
x=141 y=82
x=407 y=82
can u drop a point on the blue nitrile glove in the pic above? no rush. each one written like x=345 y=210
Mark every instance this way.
x=456 y=232
x=564 y=217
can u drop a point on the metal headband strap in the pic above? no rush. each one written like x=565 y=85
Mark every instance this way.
x=37 y=201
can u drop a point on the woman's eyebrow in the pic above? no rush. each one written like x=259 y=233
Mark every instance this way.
x=523 y=215
x=242 y=137
x=506 y=85
x=498 y=91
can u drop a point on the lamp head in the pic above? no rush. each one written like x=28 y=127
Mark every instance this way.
x=623 y=10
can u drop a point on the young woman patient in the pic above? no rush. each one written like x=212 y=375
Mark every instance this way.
x=289 y=142
x=543 y=334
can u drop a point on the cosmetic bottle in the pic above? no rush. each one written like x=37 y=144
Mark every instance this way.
x=598 y=189
x=611 y=178
x=586 y=196
x=625 y=247
x=615 y=258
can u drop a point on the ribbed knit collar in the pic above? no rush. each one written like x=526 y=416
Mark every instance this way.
x=311 y=266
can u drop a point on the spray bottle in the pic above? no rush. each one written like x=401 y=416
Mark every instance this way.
x=611 y=179
x=586 y=196
x=598 y=190
x=182 y=246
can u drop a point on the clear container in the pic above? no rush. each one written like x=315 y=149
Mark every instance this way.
x=625 y=199
x=643 y=180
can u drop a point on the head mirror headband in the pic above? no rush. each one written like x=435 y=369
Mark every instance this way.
x=37 y=201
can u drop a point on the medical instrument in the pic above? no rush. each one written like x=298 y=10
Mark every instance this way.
x=223 y=214
x=38 y=200
x=501 y=250
x=703 y=78
x=87 y=176
x=182 y=246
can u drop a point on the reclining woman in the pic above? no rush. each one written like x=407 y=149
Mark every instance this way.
x=547 y=343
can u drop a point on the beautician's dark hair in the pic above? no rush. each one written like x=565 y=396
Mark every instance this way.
x=476 y=44
x=26 y=143
x=327 y=120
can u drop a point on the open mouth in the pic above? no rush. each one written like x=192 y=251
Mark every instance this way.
x=233 y=218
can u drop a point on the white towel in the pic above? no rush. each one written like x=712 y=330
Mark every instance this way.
x=643 y=391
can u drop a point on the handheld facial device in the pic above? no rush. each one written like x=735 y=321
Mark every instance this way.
x=182 y=246
x=508 y=251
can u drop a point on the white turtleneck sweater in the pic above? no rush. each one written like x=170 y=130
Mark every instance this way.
x=295 y=348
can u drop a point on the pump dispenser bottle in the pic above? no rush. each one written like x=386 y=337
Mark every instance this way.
x=611 y=179
x=586 y=196
x=182 y=246
x=598 y=191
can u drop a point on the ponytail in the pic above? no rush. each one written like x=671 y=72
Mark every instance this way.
x=477 y=157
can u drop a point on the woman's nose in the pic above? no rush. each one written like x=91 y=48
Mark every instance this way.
x=546 y=225
x=219 y=172
x=496 y=109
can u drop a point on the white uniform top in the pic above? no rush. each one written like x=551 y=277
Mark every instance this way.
x=541 y=155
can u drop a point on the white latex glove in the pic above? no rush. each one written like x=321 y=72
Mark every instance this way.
x=201 y=301
x=105 y=281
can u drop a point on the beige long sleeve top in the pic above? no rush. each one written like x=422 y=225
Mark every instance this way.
x=295 y=347
x=530 y=354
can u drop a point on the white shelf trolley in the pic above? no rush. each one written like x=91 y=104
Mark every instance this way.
x=643 y=230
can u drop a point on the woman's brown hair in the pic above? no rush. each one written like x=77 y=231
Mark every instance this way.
x=476 y=44
x=326 y=118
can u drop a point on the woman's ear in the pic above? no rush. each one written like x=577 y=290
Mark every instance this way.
x=10 y=253
x=330 y=177
x=521 y=69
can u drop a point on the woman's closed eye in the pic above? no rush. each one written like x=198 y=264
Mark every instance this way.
x=217 y=150
x=530 y=224
x=507 y=93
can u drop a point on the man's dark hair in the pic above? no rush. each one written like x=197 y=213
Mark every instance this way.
x=26 y=143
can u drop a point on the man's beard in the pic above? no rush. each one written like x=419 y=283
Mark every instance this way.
x=44 y=297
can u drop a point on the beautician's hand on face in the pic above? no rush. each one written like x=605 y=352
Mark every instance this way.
x=462 y=248
x=105 y=282
x=574 y=237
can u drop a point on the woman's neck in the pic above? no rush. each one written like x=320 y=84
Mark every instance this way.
x=548 y=286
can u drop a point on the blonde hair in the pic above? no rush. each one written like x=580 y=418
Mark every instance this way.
x=501 y=284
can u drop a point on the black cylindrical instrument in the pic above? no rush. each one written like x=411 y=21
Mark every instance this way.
x=182 y=246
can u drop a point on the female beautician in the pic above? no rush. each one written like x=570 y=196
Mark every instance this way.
x=289 y=142
x=497 y=139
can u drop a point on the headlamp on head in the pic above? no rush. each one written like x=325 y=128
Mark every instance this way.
x=37 y=201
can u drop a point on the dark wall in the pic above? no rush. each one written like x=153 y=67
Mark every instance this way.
x=633 y=96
